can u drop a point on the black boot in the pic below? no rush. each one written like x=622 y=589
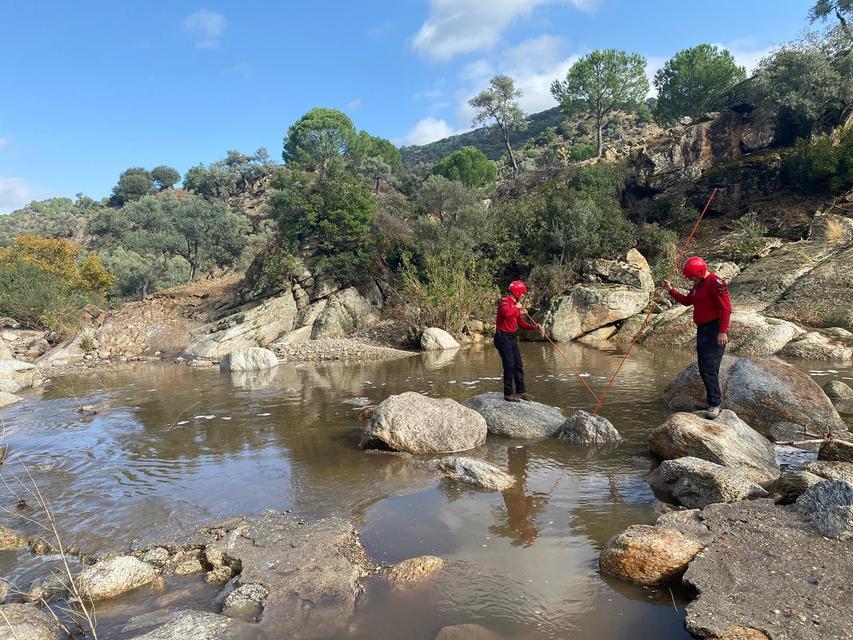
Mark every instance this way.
x=512 y=398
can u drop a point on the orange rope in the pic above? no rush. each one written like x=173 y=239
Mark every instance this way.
x=603 y=398
x=568 y=362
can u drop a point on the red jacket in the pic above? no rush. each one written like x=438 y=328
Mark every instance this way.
x=710 y=300
x=509 y=316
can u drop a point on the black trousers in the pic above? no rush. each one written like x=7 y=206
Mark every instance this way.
x=710 y=355
x=507 y=346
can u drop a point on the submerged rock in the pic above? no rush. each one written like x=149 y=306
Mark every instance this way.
x=413 y=569
x=838 y=390
x=585 y=428
x=829 y=507
x=435 y=339
x=648 y=555
x=727 y=441
x=114 y=576
x=11 y=539
x=415 y=423
x=245 y=602
x=467 y=632
x=196 y=625
x=695 y=483
x=248 y=359
x=475 y=472
x=22 y=621
x=764 y=392
x=516 y=419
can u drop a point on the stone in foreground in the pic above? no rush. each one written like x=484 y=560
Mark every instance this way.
x=726 y=441
x=415 y=423
x=829 y=506
x=16 y=376
x=413 y=570
x=764 y=392
x=648 y=555
x=792 y=484
x=764 y=568
x=695 y=483
x=114 y=576
x=21 y=621
x=584 y=428
x=435 y=339
x=248 y=359
x=475 y=472
x=516 y=419
x=195 y=625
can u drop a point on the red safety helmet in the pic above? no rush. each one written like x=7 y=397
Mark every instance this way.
x=694 y=267
x=517 y=288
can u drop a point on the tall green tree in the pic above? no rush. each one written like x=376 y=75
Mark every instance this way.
x=692 y=81
x=499 y=103
x=319 y=137
x=328 y=217
x=133 y=183
x=377 y=170
x=165 y=177
x=600 y=84
x=843 y=10
x=467 y=165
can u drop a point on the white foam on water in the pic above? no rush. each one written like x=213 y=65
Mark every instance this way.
x=182 y=422
x=208 y=417
x=263 y=415
x=226 y=417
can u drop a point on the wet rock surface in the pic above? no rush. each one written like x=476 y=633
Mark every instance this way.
x=585 y=428
x=764 y=392
x=413 y=570
x=765 y=569
x=196 y=625
x=695 y=483
x=20 y=621
x=114 y=576
x=415 y=423
x=475 y=472
x=726 y=441
x=516 y=419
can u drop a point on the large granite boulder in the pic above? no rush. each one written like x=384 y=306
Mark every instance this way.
x=251 y=325
x=588 y=307
x=16 y=376
x=24 y=621
x=584 y=428
x=648 y=555
x=196 y=625
x=415 y=423
x=695 y=483
x=767 y=393
x=347 y=311
x=475 y=472
x=516 y=419
x=838 y=390
x=248 y=359
x=829 y=507
x=114 y=576
x=727 y=441
x=633 y=274
x=815 y=345
x=435 y=339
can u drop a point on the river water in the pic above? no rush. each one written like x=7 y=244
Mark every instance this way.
x=172 y=447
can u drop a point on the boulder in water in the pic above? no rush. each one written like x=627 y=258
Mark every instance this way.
x=248 y=359
x=516 y=419
x=582 y=427
x=817 y=346
x=829 y=507
x=435 y=339
x=695 y=483
x=475 y=472
x=648 y=555
x=114 y=576
x=727 y=441
x=415 y=423
x=763 y=392
x=22 y=621
x=196 y=625
x=16 y=376
x=838 y=390
x=413 y=570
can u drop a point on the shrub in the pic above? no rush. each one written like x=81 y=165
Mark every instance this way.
x=447 y=292
x=660 y=248
x=550 y=280
x=749 y=231
x=468 y=165
x=582 y=151
x=818 y=165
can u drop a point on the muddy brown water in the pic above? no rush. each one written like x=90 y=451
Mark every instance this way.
x=172 y=447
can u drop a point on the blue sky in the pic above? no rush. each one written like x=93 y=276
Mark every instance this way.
x=91 y=88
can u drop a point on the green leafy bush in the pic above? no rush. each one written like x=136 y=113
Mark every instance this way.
x=469 y=166
x=819 y=165
x=660 y=248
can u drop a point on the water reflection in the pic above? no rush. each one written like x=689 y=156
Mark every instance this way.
x=518 y=521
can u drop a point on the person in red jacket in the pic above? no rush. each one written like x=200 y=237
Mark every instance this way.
x=712 y=308
x=506 y=342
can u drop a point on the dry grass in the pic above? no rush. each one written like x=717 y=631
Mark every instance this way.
x=835 y=231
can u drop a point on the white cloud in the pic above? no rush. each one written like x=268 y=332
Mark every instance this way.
x=205 y=28
x=354 y=104
x=747 y=54
x=464 y=26
x=14 y=194
x=428 y=130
